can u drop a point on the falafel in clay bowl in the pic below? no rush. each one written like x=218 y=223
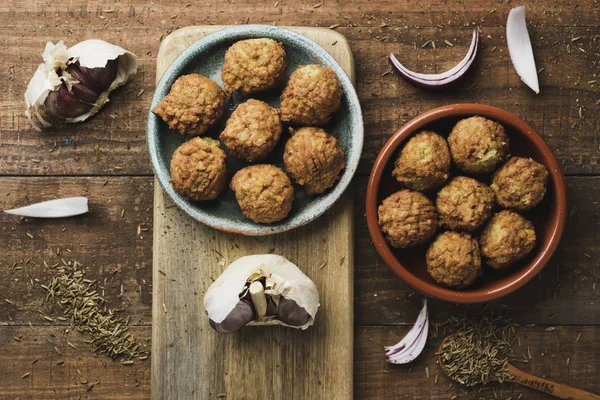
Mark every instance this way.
x=241 y=90
x=495 y=189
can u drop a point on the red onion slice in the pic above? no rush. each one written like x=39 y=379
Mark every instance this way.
x=519 y=48
x=413 y=343
x=58 y=208
x=445 y=78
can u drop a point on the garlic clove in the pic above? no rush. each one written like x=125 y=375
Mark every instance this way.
x=65 y=104
x=279 y=291
x=291 y=313
x=96 y=78
x=236 y=319
x=97 y=65
x=84 y=93
x=259 y=300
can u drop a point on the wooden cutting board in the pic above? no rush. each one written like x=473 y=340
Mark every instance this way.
x=189 y=359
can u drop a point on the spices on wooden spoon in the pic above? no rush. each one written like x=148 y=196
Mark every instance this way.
x=480 y=354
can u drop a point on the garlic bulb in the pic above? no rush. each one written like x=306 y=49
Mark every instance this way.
x=262 y=289
x=72 y=84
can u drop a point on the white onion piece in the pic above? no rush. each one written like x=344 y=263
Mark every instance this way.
x=519 y=48
x=413 y=343
x=58 y=208
x=444 y=78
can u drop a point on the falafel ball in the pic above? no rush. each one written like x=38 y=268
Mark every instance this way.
x=311 y=95
x=314 y=159
x=464 y=204
x=193 y=106
x=254 y=65
x=198 y=170
x=478 y=145
x=520 y=184
x=252 y=131
x=506 y=239
x=264 y=193
x=424 y=162
x=453 y=259
x=407 y=219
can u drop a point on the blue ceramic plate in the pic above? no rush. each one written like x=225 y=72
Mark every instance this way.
x=206 y=57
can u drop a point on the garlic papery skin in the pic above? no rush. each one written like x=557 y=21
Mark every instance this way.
x=53 y=73
x=262 y=276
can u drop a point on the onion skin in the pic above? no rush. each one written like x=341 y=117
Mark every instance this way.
x=520 y=49
x=411 y=345
x=63 y=104
x=57 y=208
x=444 y=80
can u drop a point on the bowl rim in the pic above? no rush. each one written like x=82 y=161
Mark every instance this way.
x=320 y=204
x=459 y=110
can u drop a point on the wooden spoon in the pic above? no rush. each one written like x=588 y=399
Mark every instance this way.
x=523 y=378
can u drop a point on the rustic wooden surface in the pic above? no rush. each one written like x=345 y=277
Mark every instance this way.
x=106 y=160
x=189 y=359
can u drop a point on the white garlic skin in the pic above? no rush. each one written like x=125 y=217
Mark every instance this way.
x=286 y=279
x=91 y=53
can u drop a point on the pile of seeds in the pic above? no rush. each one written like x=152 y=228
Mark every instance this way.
x=479 y=351
x=81 y=303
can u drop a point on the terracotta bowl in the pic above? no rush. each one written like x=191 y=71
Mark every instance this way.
x=548 y=217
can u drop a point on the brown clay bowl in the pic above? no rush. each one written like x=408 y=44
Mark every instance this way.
x=548 y=217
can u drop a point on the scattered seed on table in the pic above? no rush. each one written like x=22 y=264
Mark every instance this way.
x=25 y=375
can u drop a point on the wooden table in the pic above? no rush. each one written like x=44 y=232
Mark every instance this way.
x=105 y=159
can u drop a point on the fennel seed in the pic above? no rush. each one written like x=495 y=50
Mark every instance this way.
x=80 y=302
x=479 y=351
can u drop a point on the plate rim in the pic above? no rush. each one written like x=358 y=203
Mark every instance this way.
x=248 y=227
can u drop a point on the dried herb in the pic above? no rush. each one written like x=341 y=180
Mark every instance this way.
x=81 y=303
x=479 y=351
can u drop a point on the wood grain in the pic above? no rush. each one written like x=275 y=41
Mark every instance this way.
x=189 y=359
x=563 y=294
x=555 y=355
x=556 y=389
x=374 y=378
x=70 y=375
x=113 y=144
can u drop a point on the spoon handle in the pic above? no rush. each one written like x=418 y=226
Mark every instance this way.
x=547 y=386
